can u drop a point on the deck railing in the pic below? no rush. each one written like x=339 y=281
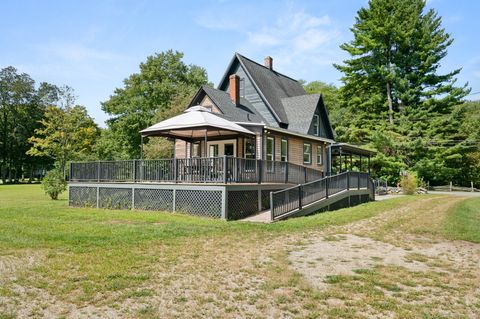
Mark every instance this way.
x=225 y=169
x=294 y=198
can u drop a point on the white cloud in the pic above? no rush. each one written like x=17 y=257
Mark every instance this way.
x=298 y=41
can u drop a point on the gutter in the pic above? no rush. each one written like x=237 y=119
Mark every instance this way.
x=305 y=136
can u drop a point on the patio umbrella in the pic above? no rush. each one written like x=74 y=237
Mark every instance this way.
x=195 y=123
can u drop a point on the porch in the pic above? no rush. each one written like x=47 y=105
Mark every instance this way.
x=223 y=170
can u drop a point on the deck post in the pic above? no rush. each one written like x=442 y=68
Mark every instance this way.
x=175 y=170
x=304 y=174
x=286 y=172
x=98 y=197
x=348 y=180
x=225 y=169
x=300 y=193
x=98 y=171
x=359 y=180
x=271 y=206
x=133 y=197
x=134 y=171
x=326 y=186
x=259 y=170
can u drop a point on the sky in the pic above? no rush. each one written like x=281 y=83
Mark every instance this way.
x=93 y=45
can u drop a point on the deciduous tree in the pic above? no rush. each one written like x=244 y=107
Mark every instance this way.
x=134 y=107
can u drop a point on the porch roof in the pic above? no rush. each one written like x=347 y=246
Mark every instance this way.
x=195 y=123
x=345 y=148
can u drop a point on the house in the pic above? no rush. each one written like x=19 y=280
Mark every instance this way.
x=289 y=124
x=257 y=142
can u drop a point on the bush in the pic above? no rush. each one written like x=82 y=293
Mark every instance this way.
x=409 y=183
x=53 y=183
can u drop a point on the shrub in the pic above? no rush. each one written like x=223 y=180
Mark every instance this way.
x=409 y=183
x=53 y=183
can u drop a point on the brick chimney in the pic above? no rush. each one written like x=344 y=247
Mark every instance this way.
x=235 y=89
x=268 y=61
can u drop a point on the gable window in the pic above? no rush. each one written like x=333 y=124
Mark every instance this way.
x=307 y=153
x=270 y=150
x=319 y=155
x=249 y=148
x=284 y=150
x=316 y=124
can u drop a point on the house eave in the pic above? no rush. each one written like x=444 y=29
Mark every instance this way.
x=305 y=136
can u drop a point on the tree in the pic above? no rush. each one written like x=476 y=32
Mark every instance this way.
x=54 y=183
x=393 y=96
x=160 y=147
x=134 y=107
x=20 y=110
x=66 y=134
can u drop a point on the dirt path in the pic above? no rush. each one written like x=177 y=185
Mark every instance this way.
x=396 y=255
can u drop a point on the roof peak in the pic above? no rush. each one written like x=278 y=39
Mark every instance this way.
x=239 y=55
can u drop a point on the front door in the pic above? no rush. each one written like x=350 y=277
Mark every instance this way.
x=229 y=149
x=221 y=148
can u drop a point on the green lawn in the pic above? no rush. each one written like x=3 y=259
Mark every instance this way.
x=463 y=222
x=104 y=257
x=31 y=220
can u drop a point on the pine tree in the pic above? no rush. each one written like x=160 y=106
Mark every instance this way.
x=396 y=98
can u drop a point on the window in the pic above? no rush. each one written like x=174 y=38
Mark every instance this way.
x=196 y=150
x=319 y=155
x=284 y=150
x=270 y=149
x=213 y=150
x=307 y=153
x=316 y=124
x=250 y=148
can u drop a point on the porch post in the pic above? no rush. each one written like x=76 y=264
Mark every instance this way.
x=205 y=148
x=141 y=146
x=368 y=164
x=340 y=156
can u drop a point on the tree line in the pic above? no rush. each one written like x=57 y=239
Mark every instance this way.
x=393 y=100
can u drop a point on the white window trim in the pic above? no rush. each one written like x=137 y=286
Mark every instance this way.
x=319 y=153
x=309 y=154
x=271 y=138
x=286 y=149
x=316 y=125
x=245 y=147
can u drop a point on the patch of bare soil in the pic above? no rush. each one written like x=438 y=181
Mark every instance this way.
x=342 y=254
x=439 y=275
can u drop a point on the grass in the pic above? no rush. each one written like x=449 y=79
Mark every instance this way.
x=84 y=256
x=463 y=222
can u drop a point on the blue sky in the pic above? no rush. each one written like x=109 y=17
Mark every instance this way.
x=93 y=45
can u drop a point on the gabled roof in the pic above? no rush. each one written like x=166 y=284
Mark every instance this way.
x=270 y=84
x=300 y=110
x=244 y=112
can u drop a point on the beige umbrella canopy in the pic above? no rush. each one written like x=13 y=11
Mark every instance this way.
x=195 y=123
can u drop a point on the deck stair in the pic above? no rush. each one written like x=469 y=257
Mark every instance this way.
x=328 y=193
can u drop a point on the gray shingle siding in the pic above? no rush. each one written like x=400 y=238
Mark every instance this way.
x=252 y=96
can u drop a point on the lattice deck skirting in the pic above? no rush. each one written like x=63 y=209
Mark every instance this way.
x=214 y=201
